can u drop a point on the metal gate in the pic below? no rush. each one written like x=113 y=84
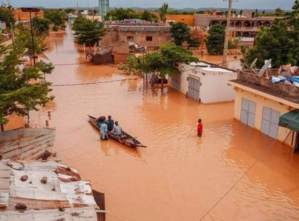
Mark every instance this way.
x=270 y=122
x=248 y=112
x=176 y=82
x=193 y=88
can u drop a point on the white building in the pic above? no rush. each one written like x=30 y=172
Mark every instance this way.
x=204 y=82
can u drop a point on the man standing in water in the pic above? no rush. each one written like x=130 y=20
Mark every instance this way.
x=104 y=130
x=199 y=128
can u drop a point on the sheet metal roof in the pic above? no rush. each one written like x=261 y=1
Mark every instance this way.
x=63 y=189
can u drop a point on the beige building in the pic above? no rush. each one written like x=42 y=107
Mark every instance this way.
x=268 y=107
x=243 y=27
x=144 y=34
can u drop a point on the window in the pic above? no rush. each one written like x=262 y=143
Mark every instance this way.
x=149 y=38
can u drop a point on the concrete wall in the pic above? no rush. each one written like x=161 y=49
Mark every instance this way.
x=187 y=19
x=261 y=101
x=25 y=16
x=214 y=87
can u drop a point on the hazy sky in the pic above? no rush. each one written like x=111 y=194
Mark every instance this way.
x=179 y=4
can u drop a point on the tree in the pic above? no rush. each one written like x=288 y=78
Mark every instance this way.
x=279 y=42
x=165 y=61
x=7 y=16
x=40 y=25
x=163 y=12
x=121 y=14
x=56 y=16
x=215 y=39
x=180 y=32
x=88 y=31
x=132 y=66
x=21 y=89
x=148 y=16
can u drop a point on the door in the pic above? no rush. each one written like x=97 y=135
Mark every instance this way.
x=248 y=112
x=193 y=88
x=176 y=82
x=270 y=121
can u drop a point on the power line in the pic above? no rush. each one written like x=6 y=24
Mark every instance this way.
x=87 y=83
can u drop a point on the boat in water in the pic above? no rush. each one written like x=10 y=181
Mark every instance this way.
x=124 y=138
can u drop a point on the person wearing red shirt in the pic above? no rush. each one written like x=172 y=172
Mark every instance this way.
x=199 y=128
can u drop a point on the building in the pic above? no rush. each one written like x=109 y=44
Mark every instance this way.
x=243 y=27
x=187 y=19
x=145 y=34
x=24 y=15
x=202 y=81
x=271 y=108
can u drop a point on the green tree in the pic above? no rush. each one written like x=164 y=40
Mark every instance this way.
x=21 y=89
x=7 y=16
x=148 y=16
x=180 y=32
x=88 y=31
x=36 y=45
x=276 y=42
x=132 y=66
x=279 y=12
x=119 y=14
x=40 y=25
x=56 y=16
x=215 y=39
x=166 y=59
x=163 y=12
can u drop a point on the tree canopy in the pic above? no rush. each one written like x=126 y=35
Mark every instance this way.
x=166 y=59
x=56 y=17
x=279 y=42
x=215 y=39
x=7 y=16
x=22 y=89
x=163 y=12
x=88 y=31
x=180 y=32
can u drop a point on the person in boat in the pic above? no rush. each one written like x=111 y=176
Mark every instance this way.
x=104 y=131
x=110 y=123
x=100 y=120
x=117 y=130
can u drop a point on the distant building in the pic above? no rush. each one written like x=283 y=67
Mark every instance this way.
x=21 y=15
x=146 y=34
x=242 y=27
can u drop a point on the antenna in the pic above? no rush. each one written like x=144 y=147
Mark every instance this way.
x=263 y=69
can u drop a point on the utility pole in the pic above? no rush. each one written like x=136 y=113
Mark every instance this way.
x=229 y=14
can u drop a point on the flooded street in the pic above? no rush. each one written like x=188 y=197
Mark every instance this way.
x=231 y=173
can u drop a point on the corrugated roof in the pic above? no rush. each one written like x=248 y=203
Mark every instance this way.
x=62 y=188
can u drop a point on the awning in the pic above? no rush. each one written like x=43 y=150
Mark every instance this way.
x=290 y=120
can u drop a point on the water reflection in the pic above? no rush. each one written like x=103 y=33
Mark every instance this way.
x=177 y=170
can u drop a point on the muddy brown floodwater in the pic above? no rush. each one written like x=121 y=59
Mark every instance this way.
x=231 y=173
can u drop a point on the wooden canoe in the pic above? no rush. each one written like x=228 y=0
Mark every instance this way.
x=124 y=138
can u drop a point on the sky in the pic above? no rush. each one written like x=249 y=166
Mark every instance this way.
x=178 y=4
